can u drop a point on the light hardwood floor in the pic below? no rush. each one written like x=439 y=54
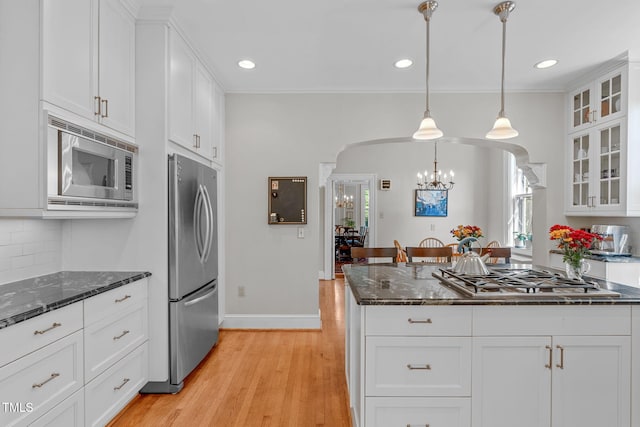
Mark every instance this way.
x=261 y=378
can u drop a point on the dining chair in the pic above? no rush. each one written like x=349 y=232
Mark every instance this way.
x=402 y=254
x=431 y=242
x=366 y=253
x=442 y=254
x=493 y=244
x=496 y=254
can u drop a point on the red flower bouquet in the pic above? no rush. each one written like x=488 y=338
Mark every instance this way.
x=574 y=243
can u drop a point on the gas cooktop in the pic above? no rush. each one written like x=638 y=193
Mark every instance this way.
x=505 y=283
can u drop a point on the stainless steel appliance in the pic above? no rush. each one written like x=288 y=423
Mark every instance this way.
x=615 y=240
x=193 y=269
x=503 y=283
x=87 y=169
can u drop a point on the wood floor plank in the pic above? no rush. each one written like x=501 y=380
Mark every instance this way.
x=261 y=378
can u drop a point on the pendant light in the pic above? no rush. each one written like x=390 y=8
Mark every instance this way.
x=502 y=128
x=428 y=128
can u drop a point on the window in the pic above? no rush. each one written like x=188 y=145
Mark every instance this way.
x=521 y=206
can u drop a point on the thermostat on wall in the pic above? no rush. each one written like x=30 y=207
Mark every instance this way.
x=385 y=184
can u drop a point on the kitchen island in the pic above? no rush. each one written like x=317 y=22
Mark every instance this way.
x=419 y=352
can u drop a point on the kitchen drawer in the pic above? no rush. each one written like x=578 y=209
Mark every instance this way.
x=418 y=411
x=114 y=301
x=110 y=391
x=41 y=379
x=418 y=320
x=418 y=366
x=552 y=320
x=25 y=337
x=69 y=413
x=110 y=339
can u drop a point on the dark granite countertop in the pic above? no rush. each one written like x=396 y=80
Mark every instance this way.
x=28 y=298
x=605 y=258
x=413 y=284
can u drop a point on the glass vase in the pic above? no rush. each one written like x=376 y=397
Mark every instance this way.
x=577 y=270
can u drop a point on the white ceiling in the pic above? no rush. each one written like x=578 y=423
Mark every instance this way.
x=351 y=45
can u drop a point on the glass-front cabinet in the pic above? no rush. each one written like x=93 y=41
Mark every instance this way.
x=598 y=101
x=603 y=145
x=596 y=169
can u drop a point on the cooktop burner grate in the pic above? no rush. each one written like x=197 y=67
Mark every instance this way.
x=504 y=282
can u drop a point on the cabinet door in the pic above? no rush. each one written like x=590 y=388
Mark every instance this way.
x=69 y=57
x=181 y=87
x=203 y=98
x=511 y=382
x=611 y=101
x=117 y=67
x=580 y=102
x=580 y=197
x=591 y=381
x=609 y=164
x=218 y=124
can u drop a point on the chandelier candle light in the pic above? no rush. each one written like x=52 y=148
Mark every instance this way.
x=428 y=128
x=433 y=182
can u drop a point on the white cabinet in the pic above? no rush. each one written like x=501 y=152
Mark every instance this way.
x=88 y=63
x=193 y=102
x=602 y=145
x=555 y=373
x=415 y=368
x=69 y=413
x=627 y=273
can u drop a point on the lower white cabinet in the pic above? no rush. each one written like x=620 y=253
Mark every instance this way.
x=107 y=394
x=67 y=369
x=40 y=380
x=69 y=413
x=418 y=412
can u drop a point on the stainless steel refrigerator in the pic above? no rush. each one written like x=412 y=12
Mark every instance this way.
x=193 y=269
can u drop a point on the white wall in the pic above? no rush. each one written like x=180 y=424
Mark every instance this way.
x=290 y=134
x=29 y=248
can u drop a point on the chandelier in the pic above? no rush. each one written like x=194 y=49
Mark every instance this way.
x=342 y=200
x=435 y=181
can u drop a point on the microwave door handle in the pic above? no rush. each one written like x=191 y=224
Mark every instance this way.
x=197 y=226
x=209 y=219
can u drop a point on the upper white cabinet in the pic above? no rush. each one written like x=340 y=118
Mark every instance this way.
x=602 y=144
x=89 y=60
x=193 y=101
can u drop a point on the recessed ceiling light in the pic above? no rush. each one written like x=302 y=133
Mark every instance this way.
x=546 y=63
x=403 y=63
x=247 y=64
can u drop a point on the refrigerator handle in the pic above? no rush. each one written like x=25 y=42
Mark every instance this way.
x=203 y=297
x=197 y=222
x=210 y=225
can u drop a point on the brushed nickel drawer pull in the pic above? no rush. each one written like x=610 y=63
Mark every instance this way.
x=97 y=111
x=426 y=425
x=55 y=325
x=106 y=108
x=54 y=375
x=126 y=380
x=548 y=365
x=121 y=335
x=561 y=364
x=123 y=298
x=422 y=367
x=410 y=320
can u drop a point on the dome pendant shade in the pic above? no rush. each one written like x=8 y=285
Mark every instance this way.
x=501 y=129
x=428 y=130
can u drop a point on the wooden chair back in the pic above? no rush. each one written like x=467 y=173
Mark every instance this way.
x=496 y=254
x=401 y=253
x=360 y=252
x=442 y=254
x=493 y=244
x=431 y=242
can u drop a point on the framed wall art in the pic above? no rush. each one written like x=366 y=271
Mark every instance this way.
x=431 y=202
x=287 y=200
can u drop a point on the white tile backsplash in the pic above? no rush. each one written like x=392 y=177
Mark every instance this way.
x=29 y=247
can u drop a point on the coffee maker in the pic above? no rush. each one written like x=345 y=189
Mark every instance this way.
x=615 y=240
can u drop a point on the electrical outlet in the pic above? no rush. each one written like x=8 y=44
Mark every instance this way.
x=241 y=291
x=300 y=232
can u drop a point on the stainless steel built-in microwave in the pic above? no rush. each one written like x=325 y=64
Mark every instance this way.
x=87 y=169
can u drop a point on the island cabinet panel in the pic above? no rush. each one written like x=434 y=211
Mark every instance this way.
x=69 y=413
x=418 y=366
x=416 y=411
x=418 y=321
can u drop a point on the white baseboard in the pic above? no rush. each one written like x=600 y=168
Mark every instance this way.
x=321 y=274
x=271 y=321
